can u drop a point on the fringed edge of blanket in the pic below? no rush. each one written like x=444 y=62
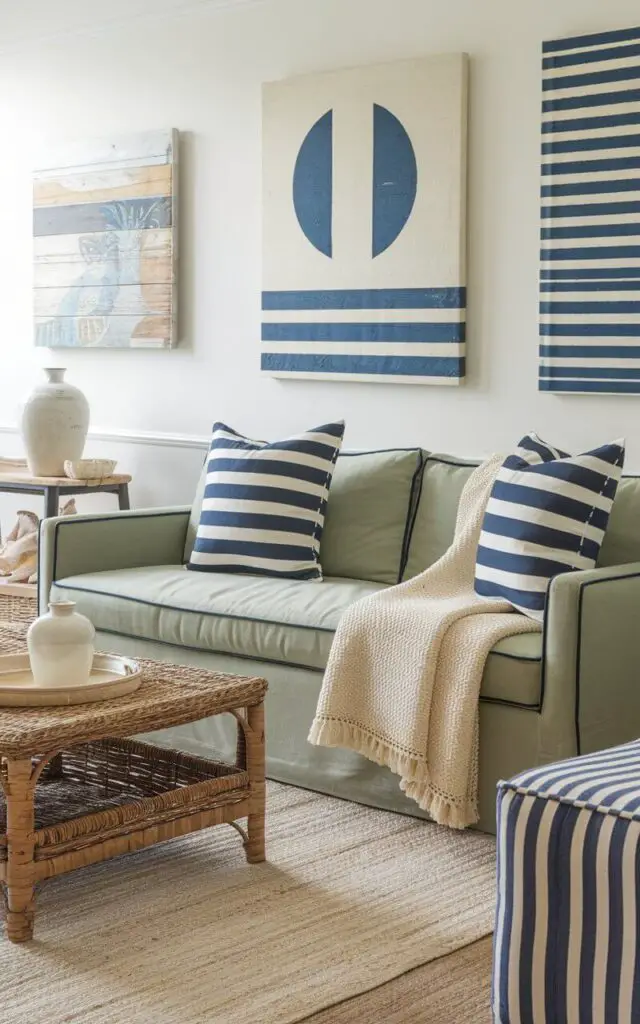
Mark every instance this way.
x=414 y=775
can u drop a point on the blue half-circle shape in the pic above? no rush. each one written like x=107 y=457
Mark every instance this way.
x=313 y=184
x=395 y=179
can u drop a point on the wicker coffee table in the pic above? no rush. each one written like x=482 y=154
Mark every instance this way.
x=78 y=791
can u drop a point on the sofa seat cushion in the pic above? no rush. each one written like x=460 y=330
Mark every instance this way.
x=513 y=673
x=282 y=621
x=269 y=619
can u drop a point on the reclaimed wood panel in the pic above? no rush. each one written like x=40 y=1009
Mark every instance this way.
x=93 y=187
x=104 y=225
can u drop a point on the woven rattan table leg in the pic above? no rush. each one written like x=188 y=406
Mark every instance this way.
x=255 y=753
x=19 y=787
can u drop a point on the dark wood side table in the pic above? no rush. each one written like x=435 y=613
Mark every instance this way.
x=15 y=478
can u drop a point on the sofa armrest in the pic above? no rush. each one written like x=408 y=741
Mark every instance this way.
x=72 y=545
x=591 y=661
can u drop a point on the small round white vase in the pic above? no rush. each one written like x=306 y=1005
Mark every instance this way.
x=55 y=421
x=61 y=646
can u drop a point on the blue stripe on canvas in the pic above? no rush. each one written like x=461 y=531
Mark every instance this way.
x=599 y=252
x=592 y=39
x=591 y=209
x=590 y=143
x=588 y=124
x=590 y=351
x=626 y=74
x=591 y=188
x=590 y=330
x=367 y=298
x=410 y=366
x=581 y=273
x=602 y=99
x=589 y=287
x=567 y=60
x=590 y=307
x=621 y=163
x=592 y=230
x=622 y=387
x=402 y=332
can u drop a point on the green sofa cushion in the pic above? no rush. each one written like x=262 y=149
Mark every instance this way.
x=443 y=478
x=622 y=540
x=194 y=518
x=260 y=617
x=253 y=617
x=368 y=513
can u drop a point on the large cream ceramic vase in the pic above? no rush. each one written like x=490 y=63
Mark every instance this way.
x=61 y=646
x=55 y=421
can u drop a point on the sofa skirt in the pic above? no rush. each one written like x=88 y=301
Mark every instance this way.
x=509 y=735
x=567 y=940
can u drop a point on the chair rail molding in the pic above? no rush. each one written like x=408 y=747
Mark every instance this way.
x=153 y=438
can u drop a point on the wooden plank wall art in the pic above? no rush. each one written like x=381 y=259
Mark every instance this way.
x=104 y=225
x=364 y=182
x=590 y=256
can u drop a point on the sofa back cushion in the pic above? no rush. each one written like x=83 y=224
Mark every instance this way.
x=194 y=518
x=369 y=514
x=621 y=542
x=443 y=478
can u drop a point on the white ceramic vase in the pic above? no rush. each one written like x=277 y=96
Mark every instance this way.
x=55 y=421
x=61 y=646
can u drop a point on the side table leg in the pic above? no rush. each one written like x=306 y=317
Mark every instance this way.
x=123 y=497
x=255 y=752
x=51 y=502
x=20 y=874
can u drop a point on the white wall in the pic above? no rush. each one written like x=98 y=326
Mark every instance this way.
x=199 y=69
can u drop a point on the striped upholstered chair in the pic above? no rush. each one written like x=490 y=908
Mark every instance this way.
x=567 y=941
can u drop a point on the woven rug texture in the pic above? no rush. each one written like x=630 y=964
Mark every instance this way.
x=188 y=933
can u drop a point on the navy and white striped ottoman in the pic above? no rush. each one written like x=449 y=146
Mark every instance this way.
x=567 y=941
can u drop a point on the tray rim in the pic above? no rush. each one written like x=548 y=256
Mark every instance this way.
x=125 y=672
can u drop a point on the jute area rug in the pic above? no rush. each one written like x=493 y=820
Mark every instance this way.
x=188 y=933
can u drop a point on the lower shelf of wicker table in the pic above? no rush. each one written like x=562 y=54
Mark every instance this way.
x=115 y=796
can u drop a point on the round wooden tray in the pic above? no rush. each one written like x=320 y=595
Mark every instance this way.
x=111 y=676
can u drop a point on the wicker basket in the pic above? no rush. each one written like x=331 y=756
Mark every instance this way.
x=113 y=787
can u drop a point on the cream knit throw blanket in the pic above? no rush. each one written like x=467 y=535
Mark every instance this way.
x=403 y=679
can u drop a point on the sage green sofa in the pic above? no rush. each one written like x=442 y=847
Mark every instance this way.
x=572 y=689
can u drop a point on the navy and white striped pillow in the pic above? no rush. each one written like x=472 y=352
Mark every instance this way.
x=547 y=514
x=264 y=504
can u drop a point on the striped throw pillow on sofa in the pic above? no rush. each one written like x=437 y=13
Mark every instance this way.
x=547 y=514
x=264 y=504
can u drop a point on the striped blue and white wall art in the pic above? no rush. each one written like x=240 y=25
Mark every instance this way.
x=364 y=250
x=590 y=248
